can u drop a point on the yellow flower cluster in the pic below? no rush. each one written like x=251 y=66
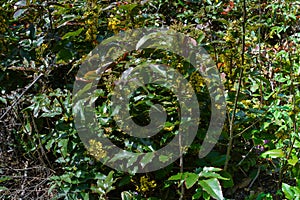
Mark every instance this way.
x=95 y=149
x=68 y=119
x=282 y=135
x=92 y=16
x=197 y=81
x=246 y=103
x=229 y=37
x=3 y=29
x=113 y=23
x=3 y=24
x=91 y=33
x=40 y=52
x=230 y=33
x=145 y=184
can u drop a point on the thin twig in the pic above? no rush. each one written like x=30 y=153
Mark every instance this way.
x=27 y=169
x=42 y=153
x=110 y=6
x=245 y=156
x=254 y=179
x=246 y=129
x=18 y=99
x=238 y=90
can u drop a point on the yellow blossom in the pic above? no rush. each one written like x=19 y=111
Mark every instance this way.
x=246 y=103
x=113 y=24
x=145 y=184
x=95 y=149
x=197 y=81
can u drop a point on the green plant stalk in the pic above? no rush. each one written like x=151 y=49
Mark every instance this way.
x=181 y=167
x=292 y=91
x=231 y=121
x=40 y=152
x=259 y=56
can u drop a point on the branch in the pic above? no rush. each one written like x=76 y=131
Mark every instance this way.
x=18 y=99
x=238 y=90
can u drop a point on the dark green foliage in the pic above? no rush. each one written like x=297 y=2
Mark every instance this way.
x=43 y=43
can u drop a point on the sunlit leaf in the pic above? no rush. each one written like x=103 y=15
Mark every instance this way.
x=212 y=187
x=274 y=153
x=191 y=179
x=72 y=34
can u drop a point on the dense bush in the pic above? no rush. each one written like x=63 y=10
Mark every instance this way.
x=255 y=45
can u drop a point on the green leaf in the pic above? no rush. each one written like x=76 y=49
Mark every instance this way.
x=67 y=178
x=125 y=195
x=212 y=187
x=120 y=156
x=51 y=188
x=110 y=179
x=198 y=193
x=265 y=126
x=143 y=40
x=4 y=178
x=105 y=186
x=176 y=177
x=63 y=143
x=287 y=190
x=132 y=160
x=254 y=87
x=292 y=16
x=211 y=169
x=82 y=91
x=158 y=70
x=49 y=144
x=201 y=38
x=274 y=153
x=3 y=188
x=64 y=55
x=205 y=195
x=124 y=181
x=3 y=100
x=128 y=7
x=229 y=182
x=296 y=190
x=72 y=34
x=191 y=179
x=99 y=176
x=211 y=175
x=85 y=195
x=163 y=158
x=293 y=161
x=50 y=114
x=147 y=159
x=110 y=176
